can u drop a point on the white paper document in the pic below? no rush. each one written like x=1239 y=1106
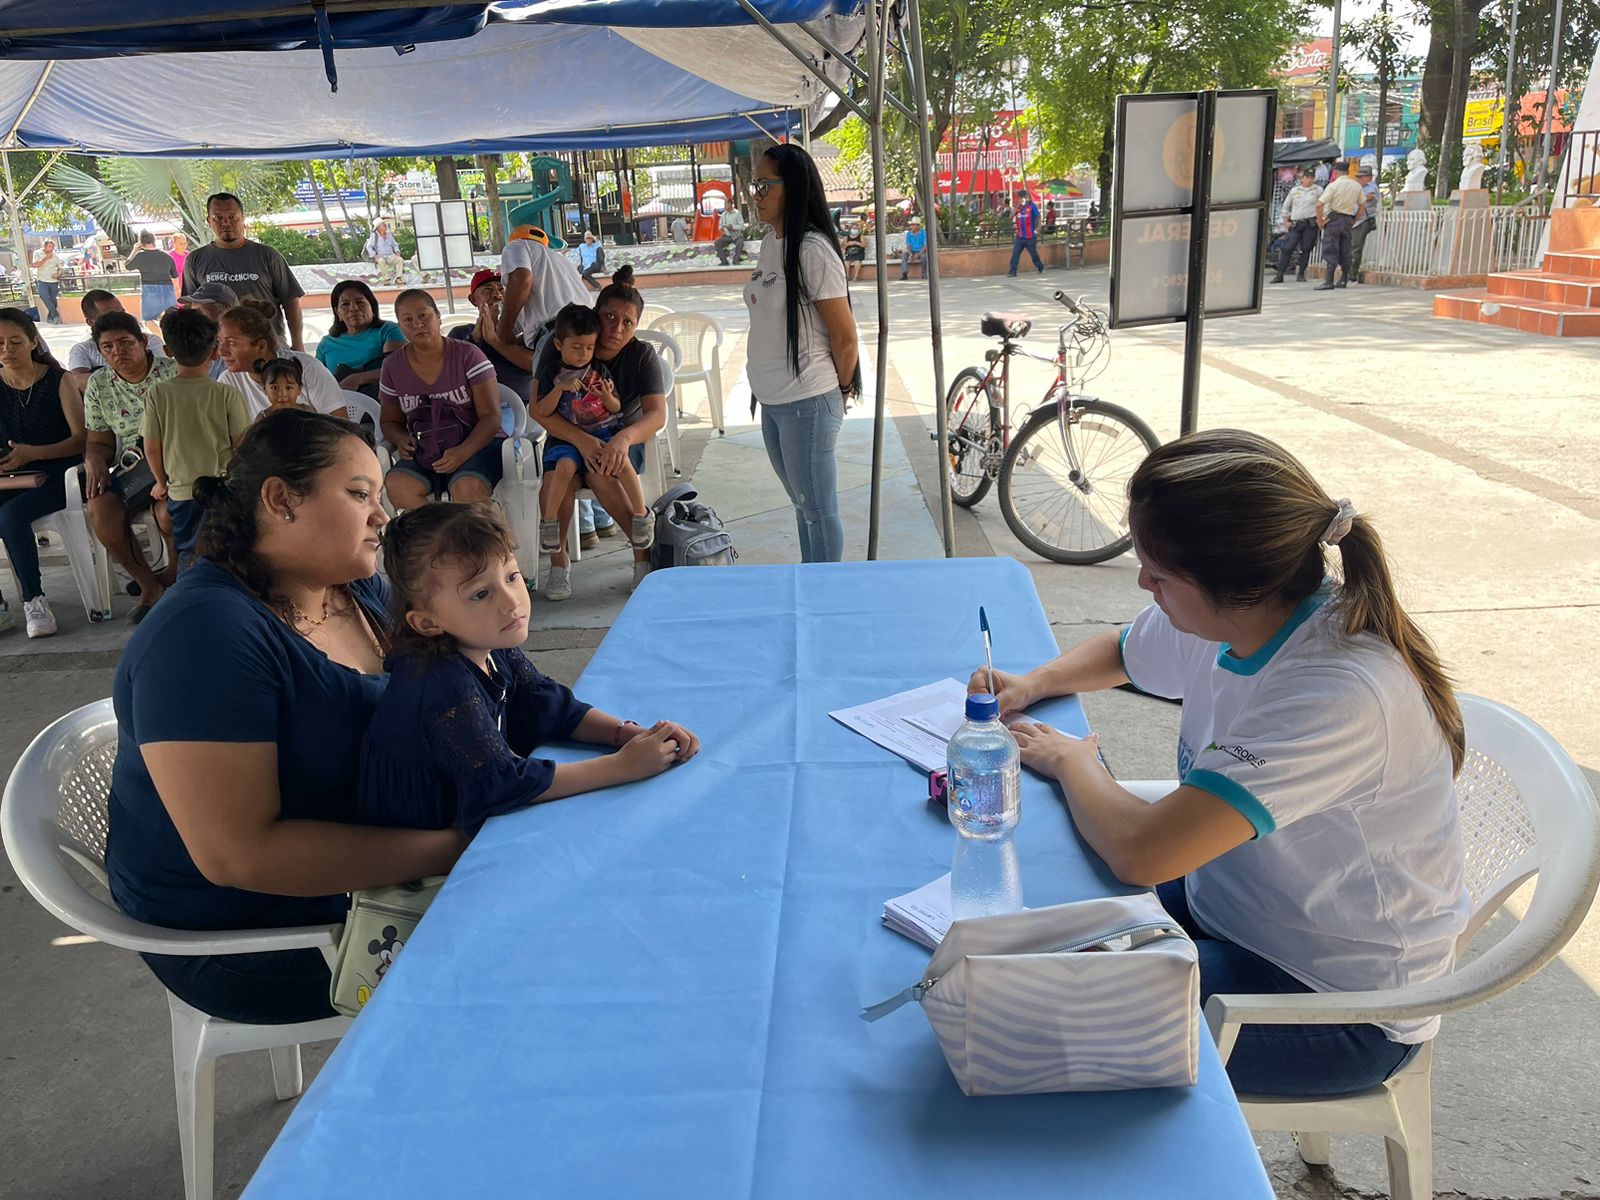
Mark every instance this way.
x=916 y=725
x=922 y=915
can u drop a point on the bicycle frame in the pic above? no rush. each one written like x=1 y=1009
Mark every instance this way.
x=1060 y=388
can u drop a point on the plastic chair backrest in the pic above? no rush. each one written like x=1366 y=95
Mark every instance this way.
x=690 y=331
x=1526 y=811
x=512 y=403
x=55 y=810
x=651 y=313
x=666 y=345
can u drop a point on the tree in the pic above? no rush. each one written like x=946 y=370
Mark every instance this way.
x=1381 y=39
x=177 y=188
x=1082 y=55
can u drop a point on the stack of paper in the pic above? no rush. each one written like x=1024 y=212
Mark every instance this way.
x=922 y=915
x=916 y=725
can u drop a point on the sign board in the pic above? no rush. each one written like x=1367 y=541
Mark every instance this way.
x=304 y=193
x=985 y=157
x=443 y=239
x=1156 y=195
x=1307 y=61
x=1484 y=116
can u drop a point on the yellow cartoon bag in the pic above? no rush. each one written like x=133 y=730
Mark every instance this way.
x=380 y=923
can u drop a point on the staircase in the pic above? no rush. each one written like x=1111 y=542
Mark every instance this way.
x=1560 y=299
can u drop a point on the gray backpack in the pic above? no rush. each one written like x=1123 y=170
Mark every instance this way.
x=689 y=534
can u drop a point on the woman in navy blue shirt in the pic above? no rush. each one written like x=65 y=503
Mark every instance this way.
x=241 y=704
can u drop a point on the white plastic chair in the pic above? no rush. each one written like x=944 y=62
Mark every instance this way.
x=1526 y=811
x=691 y=330
x=652 y=478
x=521 y=474
x=650 y=313
x=671 y=355
x=69 y=528
x=54 y=815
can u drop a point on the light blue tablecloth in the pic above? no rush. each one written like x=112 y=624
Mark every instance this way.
x=653 y=991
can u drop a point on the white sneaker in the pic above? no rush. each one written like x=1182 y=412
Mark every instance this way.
x=41 y=621
x=558 y=584
x=640 y=570
x=7 y=621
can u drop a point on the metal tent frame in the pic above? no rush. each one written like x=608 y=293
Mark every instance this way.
x=889 y=23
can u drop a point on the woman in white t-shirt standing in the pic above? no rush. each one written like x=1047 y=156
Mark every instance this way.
x=1312 y=841
x=802 y=353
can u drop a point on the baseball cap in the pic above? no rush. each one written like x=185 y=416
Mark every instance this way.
x=529 y=233
x=211 y=293
x=481 y=277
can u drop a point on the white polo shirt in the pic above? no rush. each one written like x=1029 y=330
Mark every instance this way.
x=1327 y=746
x=556 y=284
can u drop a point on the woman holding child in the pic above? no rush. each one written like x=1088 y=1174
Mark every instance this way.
x=247 y=342
x=244 y=701
x=606 y=467
x=1311 y=842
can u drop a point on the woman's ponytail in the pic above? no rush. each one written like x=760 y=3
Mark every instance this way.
x=1368 y=604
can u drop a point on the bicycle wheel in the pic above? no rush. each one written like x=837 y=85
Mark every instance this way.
x=974 y=436
x=1067 y=514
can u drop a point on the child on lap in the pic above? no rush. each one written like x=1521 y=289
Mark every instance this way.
x=579 y=391
x=450 y=741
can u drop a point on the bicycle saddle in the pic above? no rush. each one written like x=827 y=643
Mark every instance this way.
x=1005 y=325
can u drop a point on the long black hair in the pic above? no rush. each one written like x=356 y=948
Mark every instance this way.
x=338 y=328
x=805 y=210
x=41 y=350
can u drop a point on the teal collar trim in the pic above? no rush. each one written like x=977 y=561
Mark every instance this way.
x=1253 y=664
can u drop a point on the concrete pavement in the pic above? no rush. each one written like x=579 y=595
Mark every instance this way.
x=1476 y=450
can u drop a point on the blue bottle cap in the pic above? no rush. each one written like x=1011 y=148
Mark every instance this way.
x=982 y=707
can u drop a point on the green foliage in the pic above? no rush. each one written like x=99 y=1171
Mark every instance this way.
x=174 y=188
x=1083 y=55
x=308 y=249
x=43 y=207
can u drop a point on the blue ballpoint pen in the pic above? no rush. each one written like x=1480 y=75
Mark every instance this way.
x=988 y=651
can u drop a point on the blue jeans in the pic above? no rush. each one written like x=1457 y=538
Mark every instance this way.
x=592 y=516
x=50 y=294
x=18 y=511
x=800 y=439
x=1017 y=246
x=1284 y=1060
x=185 y=518
x=155 y=299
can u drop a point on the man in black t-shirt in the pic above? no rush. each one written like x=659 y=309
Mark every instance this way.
x=252 y=270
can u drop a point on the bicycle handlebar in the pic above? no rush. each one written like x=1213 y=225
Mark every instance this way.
x=1069 y=304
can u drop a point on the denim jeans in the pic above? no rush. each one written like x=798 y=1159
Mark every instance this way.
x=18 y=511
x=1017 y=246
x=592 y=516
x=50 y=296
x=279 y=987
x=800 y=439
x=1284 y=1060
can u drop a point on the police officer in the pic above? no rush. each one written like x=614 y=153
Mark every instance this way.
x=1337 y=207
x=1300 y=219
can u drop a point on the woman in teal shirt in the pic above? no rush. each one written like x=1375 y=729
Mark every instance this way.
x=357 y=340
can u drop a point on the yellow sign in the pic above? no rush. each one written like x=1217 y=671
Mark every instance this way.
x=1484 y=116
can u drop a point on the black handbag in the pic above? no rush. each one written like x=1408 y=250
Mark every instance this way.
x=135 y=479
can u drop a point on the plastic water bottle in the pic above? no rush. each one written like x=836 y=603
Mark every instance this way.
x=985 y=805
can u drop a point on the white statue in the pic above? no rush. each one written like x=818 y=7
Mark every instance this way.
x=1417 y=168
x=1471 y=167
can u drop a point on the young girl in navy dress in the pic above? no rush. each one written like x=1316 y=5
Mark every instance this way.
x=450 y=741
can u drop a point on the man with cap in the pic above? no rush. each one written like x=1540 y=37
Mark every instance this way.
x=539 y=283
x=512 y=361
x=385 y=254
x=1337 y=207
x=1300 y=220
x=915 y=249
x=591 y=258
x=213 y=299
x=1366 y=219
x=84 y=359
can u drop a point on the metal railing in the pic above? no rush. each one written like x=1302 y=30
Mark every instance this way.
x=1452 y=242
x=1580 y=173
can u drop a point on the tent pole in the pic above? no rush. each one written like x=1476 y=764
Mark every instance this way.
x=876 y=20
x=13 y=203
x=804 y=59
x=891 y=99
x=931 y=270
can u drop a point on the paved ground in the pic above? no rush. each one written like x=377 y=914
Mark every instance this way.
x=1477 y=451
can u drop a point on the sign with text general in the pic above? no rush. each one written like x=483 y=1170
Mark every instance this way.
x=1156 y=197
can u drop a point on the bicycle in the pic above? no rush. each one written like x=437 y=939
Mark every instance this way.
x=1064 y=476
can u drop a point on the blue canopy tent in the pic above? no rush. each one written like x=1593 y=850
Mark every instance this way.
x=366 y=78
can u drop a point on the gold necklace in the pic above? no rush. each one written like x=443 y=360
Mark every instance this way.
x=298 y=615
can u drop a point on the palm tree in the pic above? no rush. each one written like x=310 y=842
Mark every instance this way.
x=168 y=187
